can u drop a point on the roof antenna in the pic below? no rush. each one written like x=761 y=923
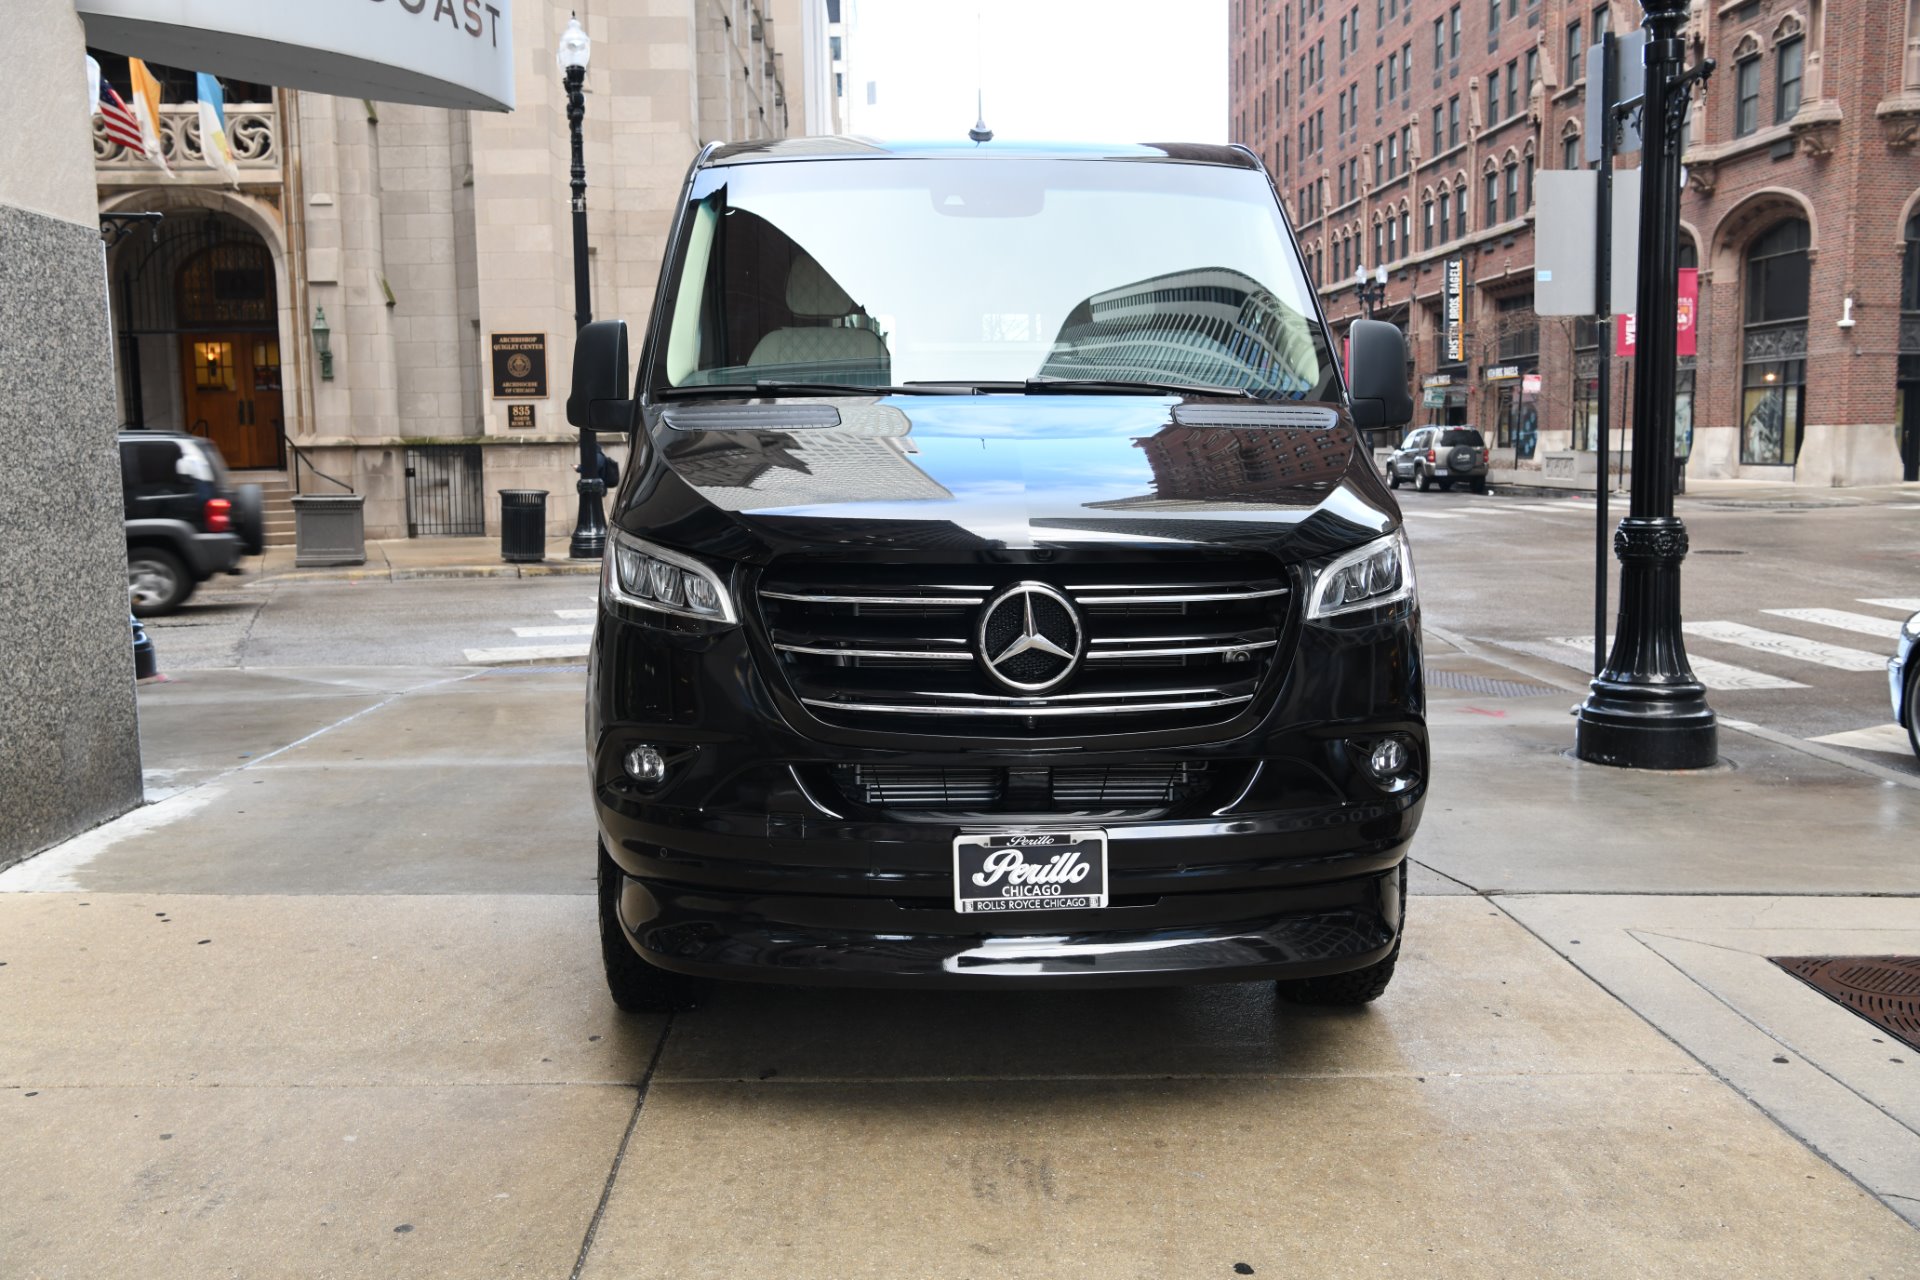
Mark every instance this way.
x=979 y=132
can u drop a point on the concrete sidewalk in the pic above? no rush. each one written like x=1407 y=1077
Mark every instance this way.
x=333 y=1007
x=404 y=559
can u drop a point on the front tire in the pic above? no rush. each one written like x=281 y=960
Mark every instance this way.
x=1341 y=990
x=637 y=986
x=1913 y=701
x=157 y=581
x=1393 y=477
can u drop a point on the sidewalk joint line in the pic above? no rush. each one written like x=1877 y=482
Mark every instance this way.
x=620 y=1152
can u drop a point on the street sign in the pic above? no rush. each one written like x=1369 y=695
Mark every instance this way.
x=1630 y=80
x=1453 y=294
x=1563 y=254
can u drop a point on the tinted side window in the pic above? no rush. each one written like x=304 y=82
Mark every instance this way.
x=152 y=467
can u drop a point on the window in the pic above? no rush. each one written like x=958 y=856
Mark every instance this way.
x=1513 y=87
x=1533 y=69
x=1602 y=21
x=1453 y=32
x=1393 y=249
x=1426 y=224
x=1379 y=244
x=1379 y=163
x=1460 y=211
x=1790 y=57
x=1446 y=211
x=1439 y=42
x=1406 y=66
x=1393 y=156
x=1343 y=37
x=1439 y=131
x=1453 y=121
x=1493 y=17
x=1393 y=75
x=1490 y=213
x=1513 y=191
x=1493 y=95
x=1576 y=52
x=1570 y=151
x=1406 y=229
x=1774 y=345
x=1379 y=86
x=1528 y=165
x=1746 y=110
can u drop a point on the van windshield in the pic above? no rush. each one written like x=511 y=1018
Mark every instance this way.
x=972 y=271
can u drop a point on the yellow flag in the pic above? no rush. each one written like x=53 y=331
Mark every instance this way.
x=146 y=108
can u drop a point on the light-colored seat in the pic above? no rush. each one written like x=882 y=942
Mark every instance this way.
x=812 y=294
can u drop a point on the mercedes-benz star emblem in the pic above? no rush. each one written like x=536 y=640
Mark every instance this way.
x=1029 y=637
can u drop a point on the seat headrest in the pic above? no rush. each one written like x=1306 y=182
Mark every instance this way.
x=812 y=292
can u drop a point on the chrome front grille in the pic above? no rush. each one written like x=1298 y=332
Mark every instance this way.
x=1165 y=645
x=1085 y=788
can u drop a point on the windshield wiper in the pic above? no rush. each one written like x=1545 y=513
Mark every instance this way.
x=1124 y=387
x=775 y=387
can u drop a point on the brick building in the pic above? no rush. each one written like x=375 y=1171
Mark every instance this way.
x=1407 y=133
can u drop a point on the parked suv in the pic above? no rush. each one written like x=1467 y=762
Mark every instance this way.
x=999 y=593
x=1445 y=456
x=186 y=519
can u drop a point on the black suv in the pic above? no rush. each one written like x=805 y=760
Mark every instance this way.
x=186 y=519
x=999 y=593
x=1445 y=456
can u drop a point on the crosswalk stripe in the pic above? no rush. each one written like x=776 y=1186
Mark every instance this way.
x=1714 y=675
x=1865 y=623
x=1552 y=508
x=1786 y=646
x=1905 y=604
x=524 y=653
x=533 y=633
x=1890 y=738
x=575 y=613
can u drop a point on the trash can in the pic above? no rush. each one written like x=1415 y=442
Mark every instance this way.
x=523 y=525
x=329 y=529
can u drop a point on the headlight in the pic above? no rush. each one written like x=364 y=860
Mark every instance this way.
x=1377 y=574
x=649 y=577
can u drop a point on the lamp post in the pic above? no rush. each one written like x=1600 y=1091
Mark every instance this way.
x=1371 y=294
x=589 y=541
x=1646 y=710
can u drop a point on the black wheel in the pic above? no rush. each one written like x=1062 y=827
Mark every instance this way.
x=249 y=518
x=1480 y=485
x=637 y=986
x=1355 y=987
x=1421 y=480
x=1913 y=700
x=157 y=582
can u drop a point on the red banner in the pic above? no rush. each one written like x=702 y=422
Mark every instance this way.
x=1686 y=334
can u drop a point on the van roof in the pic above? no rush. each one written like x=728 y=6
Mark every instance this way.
x=856 y=148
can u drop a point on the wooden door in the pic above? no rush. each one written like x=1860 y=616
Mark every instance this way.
x=232 y=383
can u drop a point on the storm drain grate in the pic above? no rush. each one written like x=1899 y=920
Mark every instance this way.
x=1885 y=990
x=1485 y=685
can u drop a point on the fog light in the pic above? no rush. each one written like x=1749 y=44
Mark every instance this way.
x=1388 y=759
x=646 y=766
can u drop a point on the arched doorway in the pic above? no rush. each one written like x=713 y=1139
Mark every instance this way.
x=1773 y=351
x=197 y=329
x=1907 y=396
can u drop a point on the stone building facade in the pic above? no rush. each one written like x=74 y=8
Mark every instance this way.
x=430 y=252
x=1408 y=133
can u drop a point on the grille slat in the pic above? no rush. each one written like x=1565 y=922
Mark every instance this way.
x=1167 y=644
x=1076 y=787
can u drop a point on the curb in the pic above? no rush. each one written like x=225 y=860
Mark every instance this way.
x=436 y=572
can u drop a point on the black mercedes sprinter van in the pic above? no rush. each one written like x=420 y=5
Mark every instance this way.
x=1000 y=591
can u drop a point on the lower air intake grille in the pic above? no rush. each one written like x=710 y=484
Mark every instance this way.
x=1023 y=790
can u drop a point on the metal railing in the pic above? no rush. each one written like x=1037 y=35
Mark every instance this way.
x=289 y=449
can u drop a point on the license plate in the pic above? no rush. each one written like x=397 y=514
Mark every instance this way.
x=1030 y=871
x=1439 y=471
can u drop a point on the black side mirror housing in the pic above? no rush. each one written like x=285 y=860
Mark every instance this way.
x=1377 y=375
x=601 y=399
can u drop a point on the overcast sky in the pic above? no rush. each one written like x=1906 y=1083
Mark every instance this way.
x=1065 y=70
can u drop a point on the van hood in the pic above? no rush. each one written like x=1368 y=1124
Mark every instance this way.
x=969 y=475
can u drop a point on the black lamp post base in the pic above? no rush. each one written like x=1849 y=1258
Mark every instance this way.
x=589 y=541
x=587 y=546
x=1655 y=736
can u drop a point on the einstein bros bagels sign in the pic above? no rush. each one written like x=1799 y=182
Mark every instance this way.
x=436 y=53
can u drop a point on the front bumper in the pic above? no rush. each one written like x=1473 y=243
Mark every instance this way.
x=1203 y=937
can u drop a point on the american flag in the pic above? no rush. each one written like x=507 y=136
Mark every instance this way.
x=122 y=125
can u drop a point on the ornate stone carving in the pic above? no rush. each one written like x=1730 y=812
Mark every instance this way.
x=251 y=132
x=1701 y=176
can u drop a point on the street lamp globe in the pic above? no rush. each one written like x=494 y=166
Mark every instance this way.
x=1359 y=277
x=574 y=46
x=1380 y=276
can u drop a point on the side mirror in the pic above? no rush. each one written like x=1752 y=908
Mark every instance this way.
x=601 y=399
x=1377 y=375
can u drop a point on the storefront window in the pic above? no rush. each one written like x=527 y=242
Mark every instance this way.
x=1513 y=383
x=1774 y=345
x=1586 y=383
